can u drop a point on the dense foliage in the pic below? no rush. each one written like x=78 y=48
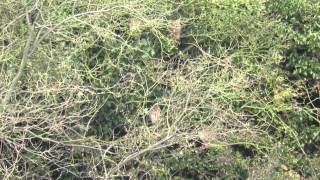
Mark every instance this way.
x=148 y=89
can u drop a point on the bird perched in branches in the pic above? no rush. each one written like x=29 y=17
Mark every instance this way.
x=176 y=30
x=153 y=115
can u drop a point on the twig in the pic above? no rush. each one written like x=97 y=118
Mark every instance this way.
x=25 y=55
x=156 y=146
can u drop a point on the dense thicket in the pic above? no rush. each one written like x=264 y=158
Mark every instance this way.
x=148 y=89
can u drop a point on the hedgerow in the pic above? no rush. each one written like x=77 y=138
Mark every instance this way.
x=152 y=89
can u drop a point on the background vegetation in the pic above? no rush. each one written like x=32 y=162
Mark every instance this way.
x=148 y=89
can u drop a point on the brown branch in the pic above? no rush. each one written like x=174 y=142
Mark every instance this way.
x=25 y=56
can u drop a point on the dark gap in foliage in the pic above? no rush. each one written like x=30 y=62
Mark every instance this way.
x=241 y=172
x=245 y=150
x=312 y=148
x=119 y=131
x=187 y=173
x=132 y=165
x=122 y=177
x=121 y=30
x=56 y=173
x=96 y=54
x=106 y=121
x=143 y=175
x=172 y=147
x=87 y=178
x=196 y=143
x=5 y=42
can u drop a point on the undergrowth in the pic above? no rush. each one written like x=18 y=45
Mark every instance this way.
x=101 y=89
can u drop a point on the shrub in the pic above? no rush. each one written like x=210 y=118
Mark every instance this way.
x=302 y=19
x=95 y=71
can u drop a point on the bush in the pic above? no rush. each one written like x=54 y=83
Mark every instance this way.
x=155 y=89
x=302 y=20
